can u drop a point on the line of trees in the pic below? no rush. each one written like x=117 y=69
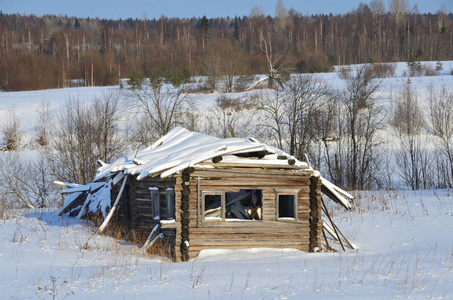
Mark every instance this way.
x=57 y=51
x=348 y=132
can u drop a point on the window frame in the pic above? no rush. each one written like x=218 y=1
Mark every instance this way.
x=155 y=206
x=222 y=205
x=295 y=194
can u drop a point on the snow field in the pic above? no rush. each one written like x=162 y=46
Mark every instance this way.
x=405 y=251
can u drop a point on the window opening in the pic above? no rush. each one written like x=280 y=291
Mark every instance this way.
x=212 y=205
x=155 y=203
x=286 y=206
x=170 y=197
x=242 y=205
x=245 y=205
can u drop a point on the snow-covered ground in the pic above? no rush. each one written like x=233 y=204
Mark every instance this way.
x=405 y=242
x=405 y=251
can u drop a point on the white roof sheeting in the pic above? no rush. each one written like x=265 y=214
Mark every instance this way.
x=181 y=148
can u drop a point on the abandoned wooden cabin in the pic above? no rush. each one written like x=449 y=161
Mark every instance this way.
x=198 y=192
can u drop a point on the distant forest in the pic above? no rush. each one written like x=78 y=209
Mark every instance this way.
x=60 y=51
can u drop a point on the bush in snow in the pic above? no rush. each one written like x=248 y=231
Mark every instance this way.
x=27 y=181
x=12 y=132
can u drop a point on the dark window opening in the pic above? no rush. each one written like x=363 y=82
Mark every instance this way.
x=286 y=206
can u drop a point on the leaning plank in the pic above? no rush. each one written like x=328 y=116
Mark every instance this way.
x=331 y=191
x=149 y=243
x=331 y=222
x=115 y=205
x=329 y=229
x=84 y=206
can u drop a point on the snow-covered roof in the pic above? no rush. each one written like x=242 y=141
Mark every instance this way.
x=181 y=148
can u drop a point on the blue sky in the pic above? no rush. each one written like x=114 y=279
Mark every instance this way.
x=114 y=9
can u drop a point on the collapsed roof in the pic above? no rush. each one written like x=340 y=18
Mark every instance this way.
x=176 y=151
x=181 y=148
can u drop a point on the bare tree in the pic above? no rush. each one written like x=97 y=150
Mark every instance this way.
x=44 y=123
x=27 y=180
x=306 y=95
x=73 y=157
x=352 y=159
x=412 y=157
x=398 y=8
x=110 y=143
x=233 y=117
x=277 y=60
x=212 y=65
x=159 y=104
x=281 y=15
x=272 y=104
x=441 y=115
x=232 y=63
x=291 y=110
x=85 y=134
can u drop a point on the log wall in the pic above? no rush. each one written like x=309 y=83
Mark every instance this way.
x=135 y=212
x=189 y=228
x=268 y=232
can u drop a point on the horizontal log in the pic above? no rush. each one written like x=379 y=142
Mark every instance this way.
x=259 y=224
x=268 y=216
x=265 y=189
x=250 y=177
x=248 y=243
x=239 y=237
x=274 y=182
x=145 y=211
x=250 y=172
x=247 y=231
x=255 y=166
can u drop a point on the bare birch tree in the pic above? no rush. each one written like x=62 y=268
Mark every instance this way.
x=277 y=61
